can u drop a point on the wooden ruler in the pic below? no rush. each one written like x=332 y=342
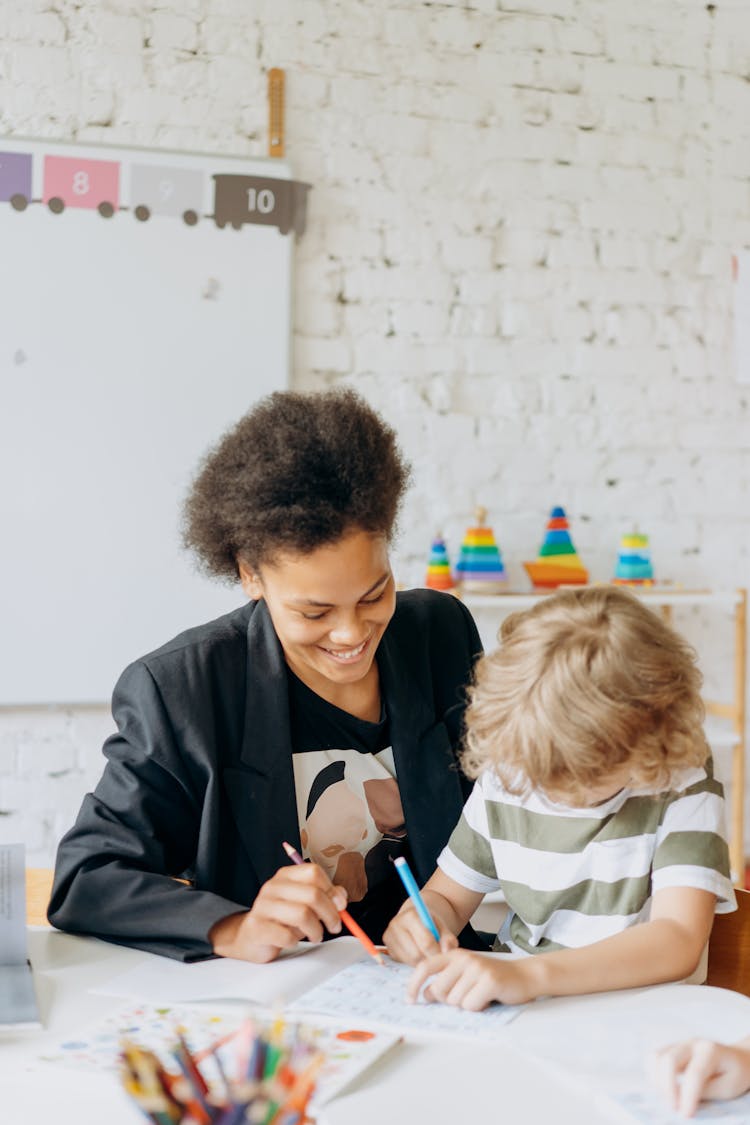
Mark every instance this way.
x=275 y=112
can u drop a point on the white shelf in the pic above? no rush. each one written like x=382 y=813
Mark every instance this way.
x=665 y=596
x=720 y=735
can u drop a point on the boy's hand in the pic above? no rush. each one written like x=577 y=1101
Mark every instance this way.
x=473 y=980
x=687 y=1072
x=408 y=939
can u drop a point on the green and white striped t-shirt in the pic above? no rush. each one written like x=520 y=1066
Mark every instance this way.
x=572 y=876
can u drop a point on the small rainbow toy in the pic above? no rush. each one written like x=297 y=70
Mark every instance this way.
x=634 y=561
x=480 y=567
x=558 y=563
x=439 y=575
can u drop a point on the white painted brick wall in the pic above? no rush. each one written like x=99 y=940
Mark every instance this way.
x=519 y=249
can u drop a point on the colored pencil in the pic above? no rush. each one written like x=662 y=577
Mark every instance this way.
x=195 y=1081
x=199 y=1056
x=413 y=892
x=289 y=1069
x=353 y=927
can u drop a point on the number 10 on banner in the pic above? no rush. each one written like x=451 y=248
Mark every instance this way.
x=262 y=201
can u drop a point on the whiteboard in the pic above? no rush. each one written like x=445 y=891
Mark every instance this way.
x=129 y=342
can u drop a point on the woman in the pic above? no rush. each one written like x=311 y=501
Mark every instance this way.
x=325 y=712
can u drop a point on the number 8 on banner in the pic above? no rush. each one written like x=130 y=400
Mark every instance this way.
x=72 y=182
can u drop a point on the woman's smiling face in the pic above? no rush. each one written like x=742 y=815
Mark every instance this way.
x=329 y=608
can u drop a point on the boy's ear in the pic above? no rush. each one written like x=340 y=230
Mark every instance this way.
x=250 y=581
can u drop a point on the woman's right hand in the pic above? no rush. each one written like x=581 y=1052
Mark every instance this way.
x=408 y=939
x=295 y=903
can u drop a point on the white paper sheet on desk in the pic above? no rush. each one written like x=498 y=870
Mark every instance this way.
x=605 y=1038
x=375 y=996
x=648 y=1109
x=160 y=980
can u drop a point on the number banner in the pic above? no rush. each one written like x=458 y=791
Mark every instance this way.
x=175 y=191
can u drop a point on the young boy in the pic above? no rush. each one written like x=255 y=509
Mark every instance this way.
x=595 y=812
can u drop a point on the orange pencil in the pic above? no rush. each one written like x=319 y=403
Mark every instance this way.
x=199 y=1056
x=353 y=927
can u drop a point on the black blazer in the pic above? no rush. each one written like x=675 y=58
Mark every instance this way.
x=199 y=779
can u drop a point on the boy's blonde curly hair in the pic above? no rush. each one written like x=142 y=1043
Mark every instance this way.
x=586 y=682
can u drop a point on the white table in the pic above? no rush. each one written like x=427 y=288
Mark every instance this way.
x=556 y=1058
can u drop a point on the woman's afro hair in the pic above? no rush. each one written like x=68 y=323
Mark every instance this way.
x=295 y=473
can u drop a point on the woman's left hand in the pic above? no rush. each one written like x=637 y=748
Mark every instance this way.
x=472 y=980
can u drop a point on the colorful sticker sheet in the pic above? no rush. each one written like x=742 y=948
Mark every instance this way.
x=348 y=1048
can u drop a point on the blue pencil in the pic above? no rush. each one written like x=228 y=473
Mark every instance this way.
x=413 y=892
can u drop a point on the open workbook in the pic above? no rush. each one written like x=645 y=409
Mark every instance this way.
x=17 y=997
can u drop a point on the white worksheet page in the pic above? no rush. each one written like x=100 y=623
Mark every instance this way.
x=376 y=996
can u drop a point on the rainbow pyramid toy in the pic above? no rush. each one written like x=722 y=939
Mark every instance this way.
x=634 y=561
x=439 y=575
x=558 y=563
x=480 y=567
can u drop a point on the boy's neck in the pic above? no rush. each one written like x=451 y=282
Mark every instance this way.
x=609 y=787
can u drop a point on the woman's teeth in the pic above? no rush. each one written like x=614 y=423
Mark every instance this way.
x=346 y=654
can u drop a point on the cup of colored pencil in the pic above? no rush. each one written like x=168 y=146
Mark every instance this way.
x=270 y=1082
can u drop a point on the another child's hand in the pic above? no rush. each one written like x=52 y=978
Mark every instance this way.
x=698 y=1068
x=408 y=939
x=472 y=980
